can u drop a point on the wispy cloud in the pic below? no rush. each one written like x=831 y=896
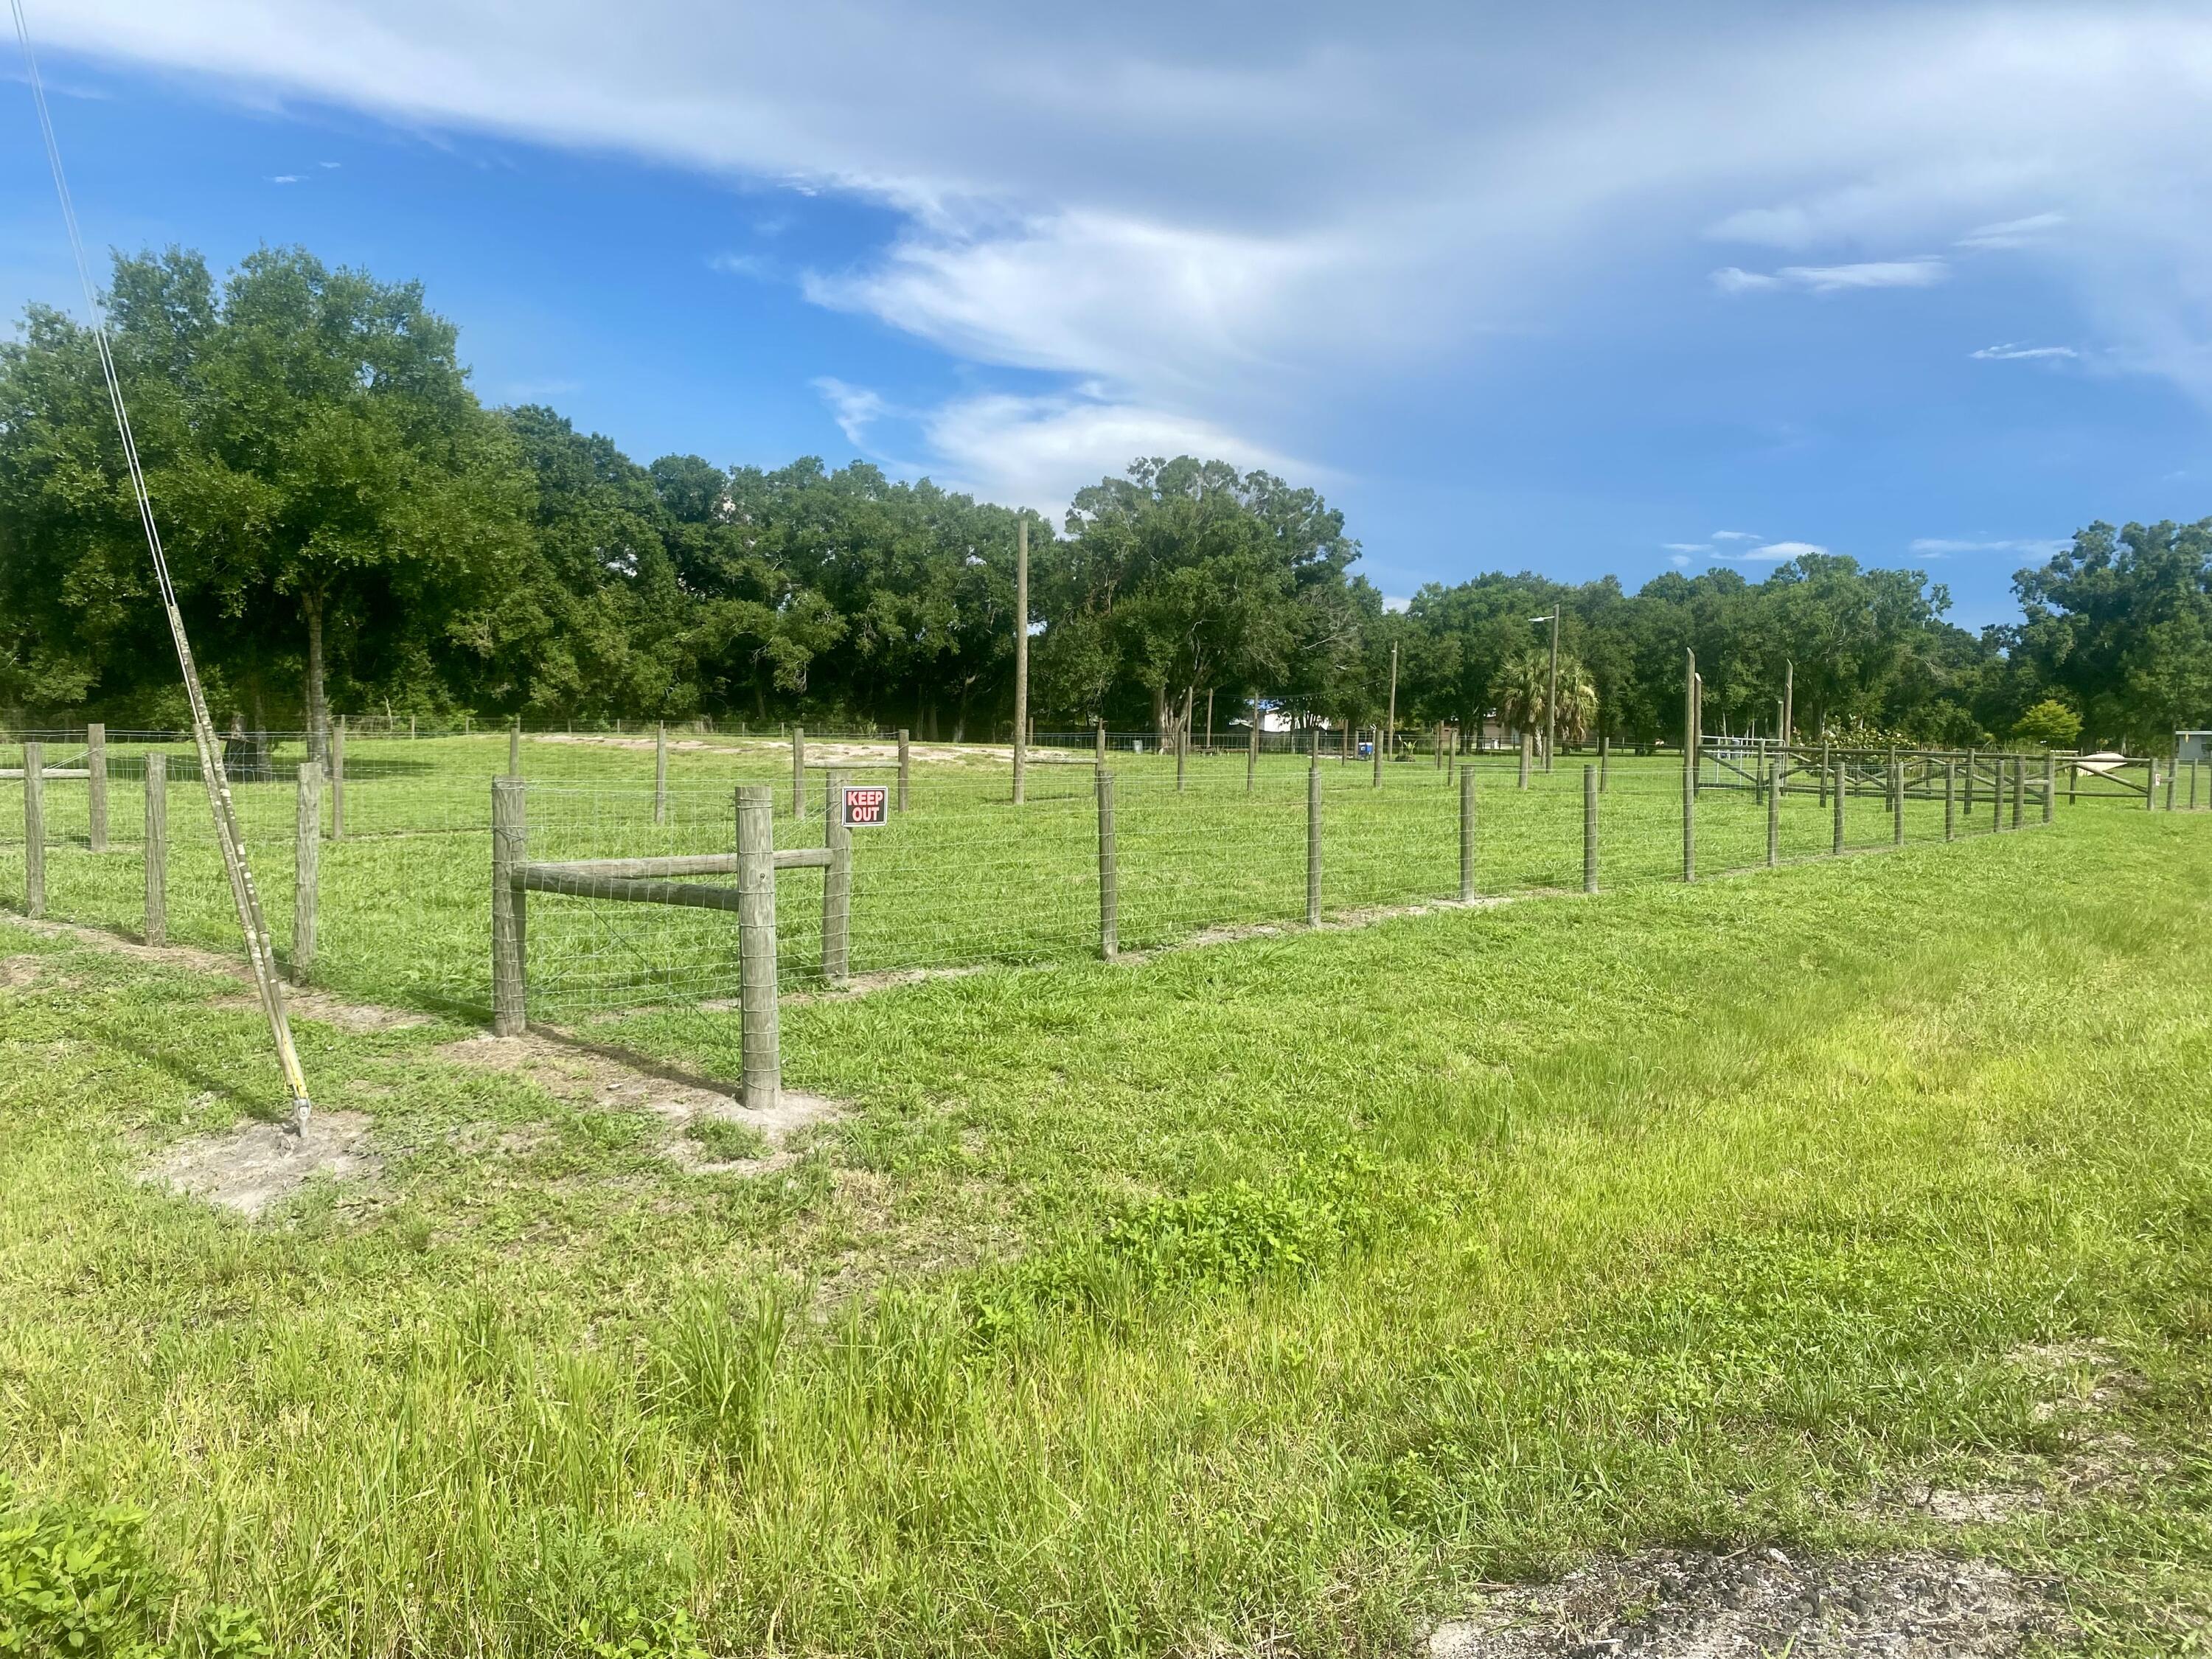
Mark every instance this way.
x=1687 y=547
x=855 y=409
x=2012 y=354
x=2011 y=233
x=1779 y=551
x=1938 y=547
x=1735 y=535
x=1680 y=561
x=330 y=167
x=286 y=179
x=1396 y=604
x=1923 y=271
x=741 y=264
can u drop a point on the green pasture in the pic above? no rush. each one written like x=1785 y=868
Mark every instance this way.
x=963 y=878
x=1267 y=1296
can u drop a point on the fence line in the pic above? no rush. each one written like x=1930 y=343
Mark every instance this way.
x=390 y=897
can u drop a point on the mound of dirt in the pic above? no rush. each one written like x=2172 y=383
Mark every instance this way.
x=591 y=1077
x=1677 y=1604
x=252 y=1166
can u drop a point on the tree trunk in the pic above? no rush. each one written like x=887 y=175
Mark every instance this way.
x=319 y=732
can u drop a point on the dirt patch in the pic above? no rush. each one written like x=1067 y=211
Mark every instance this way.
x=592 y=1077
x=1676 y=1604
x=250 y=1167
x=20 y=973
x=817 y=749
x=357 y=1016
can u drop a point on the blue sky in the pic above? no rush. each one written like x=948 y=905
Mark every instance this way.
x=1605 y=288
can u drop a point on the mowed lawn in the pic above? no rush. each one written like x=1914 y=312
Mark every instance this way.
x=1269 y=1294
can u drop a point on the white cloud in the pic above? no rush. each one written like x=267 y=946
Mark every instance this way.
x=741 y=264
x=2012 y=233
x=1396 y=605
x=1778 y=550
x=285 y=179
x=855 y=409
x=1687 y=547
x=1923 y=271
x=1680 y=561
x=1243 y=233
x=331 y=166
x=2012 y=354
x=1735 y=535
x=1938 y=547
x=1039 y=450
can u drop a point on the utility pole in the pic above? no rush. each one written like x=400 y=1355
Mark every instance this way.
x=1021 y=651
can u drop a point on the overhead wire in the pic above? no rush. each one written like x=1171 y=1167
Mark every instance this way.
x=260 y=955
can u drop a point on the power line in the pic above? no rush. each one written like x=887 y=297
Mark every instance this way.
x=261 y=958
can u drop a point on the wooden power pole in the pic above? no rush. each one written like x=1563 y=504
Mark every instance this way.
x=1021 y=651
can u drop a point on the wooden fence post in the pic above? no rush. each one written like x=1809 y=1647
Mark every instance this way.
x=1896 y=801
x=1183 y=754
x=157 y=928
x=1824 y=765
x=2073 y=780
x=798 y=770
x=1950 y=800
x=761 y=1063
x=906 y=765
x=2019 y=788
x=514 y=747
x=306 y=868
x=1589 y=828
x=1467 y=835
x=836 y=883
x=660 y=772
x=1110 y=892
x=1973 y=759
x=34 y=829
x=1099 y=742
x=2170 y=771
x=1604 y=760
x=510 y=912
x=2050 y=784
x=95 y=767
x=1313 y=846
x=1252 y=749
x=338 y=780
x=2150 y=784
x=1837 y=795
x=1523 y=783
x=1774 y=819
x=1378 y=757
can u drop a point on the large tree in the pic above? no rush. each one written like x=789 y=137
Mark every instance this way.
x=2121 y=621
x=325 y=483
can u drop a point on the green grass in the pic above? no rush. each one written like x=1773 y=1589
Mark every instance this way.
x=963 y=879
x=1276 y=1292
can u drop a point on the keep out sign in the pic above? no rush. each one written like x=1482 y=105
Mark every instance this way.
x=865 y=804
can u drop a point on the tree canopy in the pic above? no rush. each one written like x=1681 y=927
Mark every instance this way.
x=347 y=521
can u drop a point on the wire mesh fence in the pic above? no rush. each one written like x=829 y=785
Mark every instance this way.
x=1201 y=844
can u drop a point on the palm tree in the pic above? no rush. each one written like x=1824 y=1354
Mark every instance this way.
x=1524 y=683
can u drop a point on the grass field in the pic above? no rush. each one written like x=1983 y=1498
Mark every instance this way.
x=1274 y=1295
x=964 y=879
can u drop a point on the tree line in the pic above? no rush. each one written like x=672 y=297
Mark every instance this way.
x=350 y=526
